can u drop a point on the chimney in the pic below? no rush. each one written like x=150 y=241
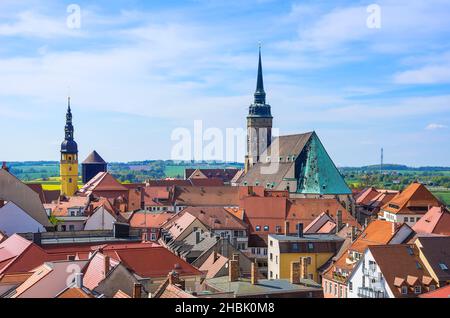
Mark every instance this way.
x=254 y=277
x=339 y=221
x=106 y=264
x=353 y=233
x=144 y=237
x=233 y=270
x=395 y=227
x=295 y=273
x=215 y=256
x=37 y=238
x=137 y=290
x=4 y=167
x=303 y=268
x=300 y=229
x=286 y=228
x=79 y=280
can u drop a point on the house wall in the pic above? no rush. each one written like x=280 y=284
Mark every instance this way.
x=119 y=278
x=333 y=289
x=100 y=220
x=14 y=220
x=187 y=231
x=285 y=259
x=365 y=283
x=409 y=219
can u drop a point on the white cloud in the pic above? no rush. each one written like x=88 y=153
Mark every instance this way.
x=432 y=74
x=435 y=126
x=30 y=24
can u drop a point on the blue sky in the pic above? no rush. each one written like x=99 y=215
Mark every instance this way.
x=139 y=69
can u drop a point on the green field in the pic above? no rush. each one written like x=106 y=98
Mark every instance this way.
x=174 y=171
x=444 y=196
x=53 y=183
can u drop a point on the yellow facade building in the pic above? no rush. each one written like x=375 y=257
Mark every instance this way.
x=311 y=250
x=69 y=159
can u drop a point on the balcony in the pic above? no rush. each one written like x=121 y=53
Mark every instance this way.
x=372 y=274
x=364 y=292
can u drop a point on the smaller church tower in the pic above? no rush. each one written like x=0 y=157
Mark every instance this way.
x=69 y=158
x=92 y=165
x=259 y=123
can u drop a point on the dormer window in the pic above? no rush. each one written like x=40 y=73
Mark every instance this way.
x=404 y=290
x=417 y=289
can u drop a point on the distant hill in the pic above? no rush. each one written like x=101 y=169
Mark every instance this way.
x=394 y=167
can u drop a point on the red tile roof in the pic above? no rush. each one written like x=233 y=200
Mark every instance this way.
x=95 y=271
x=145 y=259
x=443 y=292
x=103 y=181
x=213 y=264
x=400 y=261
x=216 y=218
x=436 y=221
x=18 y=255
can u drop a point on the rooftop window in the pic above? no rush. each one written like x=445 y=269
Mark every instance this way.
x=443 y=266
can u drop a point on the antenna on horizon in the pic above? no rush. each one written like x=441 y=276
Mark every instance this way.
x=381 y=162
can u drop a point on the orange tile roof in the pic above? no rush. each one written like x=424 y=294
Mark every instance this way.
x=75 y=293
x=376 y=232
x=144 y=219
x=121 y=294
x=14 y=278
x=172 y=291
x=415 y=195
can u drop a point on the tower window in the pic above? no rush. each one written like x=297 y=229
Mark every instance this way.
x=70 y=180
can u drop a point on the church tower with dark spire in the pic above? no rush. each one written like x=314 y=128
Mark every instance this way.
x=69 y=158
x=259 y=122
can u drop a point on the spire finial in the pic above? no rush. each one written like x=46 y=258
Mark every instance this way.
x=260 y=94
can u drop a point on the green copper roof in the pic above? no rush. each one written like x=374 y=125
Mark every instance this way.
x=318 y=174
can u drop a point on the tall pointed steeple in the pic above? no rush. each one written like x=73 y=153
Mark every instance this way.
x=69 y=127
x=69 y=158
x=259 y=122
x=69 y=145
x=260 y=94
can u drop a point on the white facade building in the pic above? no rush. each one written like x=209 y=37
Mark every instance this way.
x=15 y=220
